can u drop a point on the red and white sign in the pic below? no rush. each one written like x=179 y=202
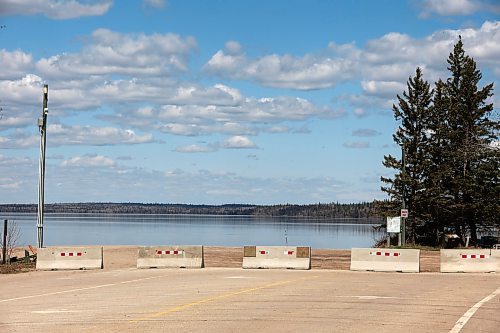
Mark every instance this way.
x=404 y=212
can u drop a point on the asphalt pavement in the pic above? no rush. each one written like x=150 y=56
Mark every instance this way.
x=237 y=300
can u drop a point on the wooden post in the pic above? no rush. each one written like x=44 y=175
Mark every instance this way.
x=4 y=249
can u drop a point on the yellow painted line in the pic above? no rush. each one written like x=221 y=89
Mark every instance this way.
x=216 y=298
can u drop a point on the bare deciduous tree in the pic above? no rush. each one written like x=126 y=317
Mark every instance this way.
x=13 y=236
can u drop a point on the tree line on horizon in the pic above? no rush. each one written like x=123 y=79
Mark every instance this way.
x=363 y=210
x=448 y=173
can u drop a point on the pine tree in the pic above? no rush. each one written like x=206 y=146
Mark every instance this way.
x=470 y=133
x=451 y=176
x=412 y=112
x=437 y=174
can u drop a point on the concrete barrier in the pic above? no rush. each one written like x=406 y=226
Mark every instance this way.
x=470 y=260
x=385 y=260
x=67 y=258
x=180 y=256
x=291 y=257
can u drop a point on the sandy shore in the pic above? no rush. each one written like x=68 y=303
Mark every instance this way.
x=125 y=256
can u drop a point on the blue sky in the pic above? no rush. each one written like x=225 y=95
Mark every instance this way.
x=213 y=102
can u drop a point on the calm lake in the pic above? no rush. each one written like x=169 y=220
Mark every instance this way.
x=140 y=229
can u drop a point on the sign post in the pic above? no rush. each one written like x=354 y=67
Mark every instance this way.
x=404 y=215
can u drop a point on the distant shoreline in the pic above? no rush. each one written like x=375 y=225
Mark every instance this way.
x=363 y=210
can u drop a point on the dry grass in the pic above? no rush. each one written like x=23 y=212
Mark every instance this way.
x=17 y=267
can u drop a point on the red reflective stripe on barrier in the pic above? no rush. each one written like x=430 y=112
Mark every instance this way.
x=474 y=256
x=288 y=253
x=159 y=252
x=386 y=254
x=71 y=254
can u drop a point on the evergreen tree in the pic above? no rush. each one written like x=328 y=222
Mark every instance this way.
x=437 y=174
x=452 y=160
x=412 y=112
x=470 y=134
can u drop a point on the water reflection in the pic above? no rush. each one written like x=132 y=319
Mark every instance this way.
x=118 y=229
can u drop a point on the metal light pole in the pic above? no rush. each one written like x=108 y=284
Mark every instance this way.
x=403 y=203
x=42 y=126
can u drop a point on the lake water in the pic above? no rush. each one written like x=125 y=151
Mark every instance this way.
x=140 y=229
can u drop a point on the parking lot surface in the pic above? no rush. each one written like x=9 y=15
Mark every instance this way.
x=237 y=300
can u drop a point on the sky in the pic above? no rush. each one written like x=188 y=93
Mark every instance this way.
x=219 y=102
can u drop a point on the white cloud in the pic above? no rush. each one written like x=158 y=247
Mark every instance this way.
x=78 y=177
x=14 y=64
x=383 y=88
x=455 y=7
x=365 y=132
x=364 y=102
x=247 y=116
x=383 y=65
x=88 y=161
x=94 y=136
x=55 y=9
x=21 y=140
x=92 y=93
x=278 y=129
x=306 y=73
x=359 y=112
x=238 y=142
x=25 y=91
x=126 y=73
x=22 y=182
x=64 y=135
x=356 y=144
x=10 y=184
x=8 y=120
x=233 y=47
x=127 y=54
x=15 y=161
x=158 y=4
x=195 y=148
